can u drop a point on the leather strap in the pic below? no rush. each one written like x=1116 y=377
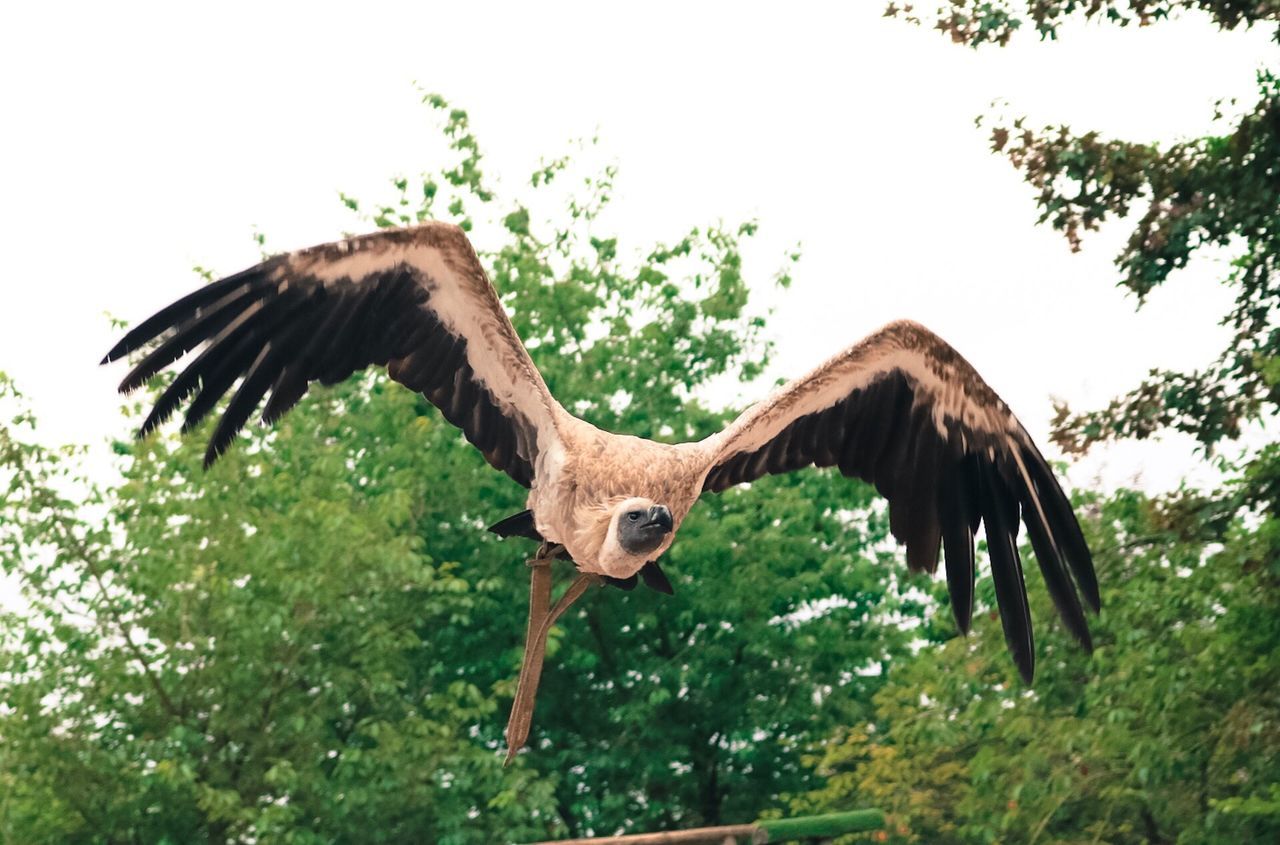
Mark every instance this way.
x=535 y=642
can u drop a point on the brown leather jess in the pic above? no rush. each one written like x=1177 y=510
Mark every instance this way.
x=535 y=640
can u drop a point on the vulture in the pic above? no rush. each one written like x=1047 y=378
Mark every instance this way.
x=900 y=409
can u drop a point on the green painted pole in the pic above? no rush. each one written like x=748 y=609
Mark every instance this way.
x=831 y=824
x=766 y=831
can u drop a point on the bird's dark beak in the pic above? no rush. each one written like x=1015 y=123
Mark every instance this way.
x=661 y=517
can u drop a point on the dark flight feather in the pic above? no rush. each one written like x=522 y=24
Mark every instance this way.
x=956 y=497
x=173 y=314
x=625 y=584
x=1000 y=516
x=517 y=525
x=187 y=337
x=656 y=579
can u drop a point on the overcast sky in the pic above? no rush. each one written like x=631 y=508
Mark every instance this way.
x=142 y=139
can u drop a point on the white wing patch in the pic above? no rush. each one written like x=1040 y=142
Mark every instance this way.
x=946 y=389
x=462 y=299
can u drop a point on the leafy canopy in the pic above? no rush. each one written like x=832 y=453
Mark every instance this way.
x=1217 y=191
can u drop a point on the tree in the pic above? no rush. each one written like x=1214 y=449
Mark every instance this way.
x=241 y=654
x=316 y=641
x=996 y=21
x=1171 y=732
x=1213 y=191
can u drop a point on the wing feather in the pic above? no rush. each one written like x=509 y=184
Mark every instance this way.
x=201 y=327
x=905 y=412
x=955 y=513
x=1000 y=516
x=158 y=323
x=922 y=522
x=414 y=300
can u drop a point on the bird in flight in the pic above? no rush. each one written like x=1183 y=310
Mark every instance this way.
x=900 y=409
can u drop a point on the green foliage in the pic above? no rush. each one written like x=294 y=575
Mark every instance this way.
x=247 y=652
x=980 y=22
x=317 y=641
x=1170 y=733
x=697 y=709
x=1218 y=191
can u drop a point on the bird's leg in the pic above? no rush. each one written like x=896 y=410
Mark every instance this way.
x=546 y=553
x=535 y=640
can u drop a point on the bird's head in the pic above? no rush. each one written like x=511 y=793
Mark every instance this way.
x=639 y=526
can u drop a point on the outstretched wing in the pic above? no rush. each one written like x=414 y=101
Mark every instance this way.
x=905 y=412
x=415 y=300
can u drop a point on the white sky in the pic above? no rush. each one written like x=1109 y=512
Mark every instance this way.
x=142 y=139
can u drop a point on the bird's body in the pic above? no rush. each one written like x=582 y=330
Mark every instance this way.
x=578 y=488
x=900 y=409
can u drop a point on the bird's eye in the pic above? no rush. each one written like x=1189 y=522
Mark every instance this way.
x=633 y=516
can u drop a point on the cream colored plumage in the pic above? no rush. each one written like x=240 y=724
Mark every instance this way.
x=900 y=409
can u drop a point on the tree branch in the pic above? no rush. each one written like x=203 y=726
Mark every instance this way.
x=71 y=539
